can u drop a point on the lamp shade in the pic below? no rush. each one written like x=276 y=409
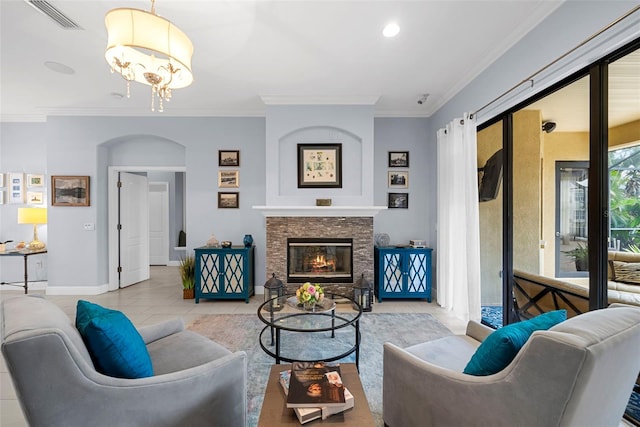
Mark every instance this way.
x=32 y=216
x=149 y=43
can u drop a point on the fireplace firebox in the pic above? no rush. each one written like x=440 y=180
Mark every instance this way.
x=319 y=260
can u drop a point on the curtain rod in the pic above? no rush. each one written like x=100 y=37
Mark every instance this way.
x=530 y=78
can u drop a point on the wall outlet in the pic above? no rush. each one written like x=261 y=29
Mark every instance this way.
x=89 y=226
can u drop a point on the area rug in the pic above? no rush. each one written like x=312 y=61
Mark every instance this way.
x=241 y=331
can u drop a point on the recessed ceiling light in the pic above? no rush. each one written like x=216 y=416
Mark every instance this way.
x=59 y=68
x=391 y=30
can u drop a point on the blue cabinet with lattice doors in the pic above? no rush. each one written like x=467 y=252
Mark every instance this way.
x=224 y=273
x=403 y=272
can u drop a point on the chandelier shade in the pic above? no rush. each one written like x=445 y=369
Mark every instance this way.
x=148 y=49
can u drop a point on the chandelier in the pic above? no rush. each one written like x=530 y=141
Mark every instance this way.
x=148 y=49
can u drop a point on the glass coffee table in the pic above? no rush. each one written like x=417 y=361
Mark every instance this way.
x=330 y=331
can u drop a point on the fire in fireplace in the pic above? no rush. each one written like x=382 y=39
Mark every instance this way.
x=322 y=260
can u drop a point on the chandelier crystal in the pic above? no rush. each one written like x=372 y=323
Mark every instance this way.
x=148 y=49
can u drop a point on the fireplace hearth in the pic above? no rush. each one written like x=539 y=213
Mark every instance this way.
x=320 y=260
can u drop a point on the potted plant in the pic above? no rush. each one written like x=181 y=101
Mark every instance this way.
x=580 y=255
x=188 y=276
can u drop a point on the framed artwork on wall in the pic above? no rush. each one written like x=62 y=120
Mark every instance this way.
x=319 y=165
x=228 y=200
x=16 y=187
x=228 y=157
x=398 y=200
x=1 y=197
x=398 y=179
x=70 y=191
x=35 y=180
x=398 y=159
x=34 y=197
x=228 y=179
x=1 y=180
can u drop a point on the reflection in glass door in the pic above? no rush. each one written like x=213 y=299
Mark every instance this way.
x=572 y=184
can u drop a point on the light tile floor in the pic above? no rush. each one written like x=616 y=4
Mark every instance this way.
x=160 y=298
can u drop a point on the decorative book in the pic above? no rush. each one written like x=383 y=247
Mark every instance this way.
x=315 y=384
x=309 y=414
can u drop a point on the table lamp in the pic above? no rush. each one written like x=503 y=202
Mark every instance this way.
x=33 y=216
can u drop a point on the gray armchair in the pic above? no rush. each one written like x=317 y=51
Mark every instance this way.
x=196 y=382
x=578 y=373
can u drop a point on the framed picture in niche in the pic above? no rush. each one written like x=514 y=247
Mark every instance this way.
x=319 y=165
x=70 y=191
x=228 y=157
x=398 y=200
x=398 y=179
x=1 y=197
x=1 y=180
x=228 y=179
x=398 y=159
x=16 y=187
x=228 y=200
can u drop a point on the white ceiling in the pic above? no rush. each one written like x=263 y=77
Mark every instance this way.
x=322 y=51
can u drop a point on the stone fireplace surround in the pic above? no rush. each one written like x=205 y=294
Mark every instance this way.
x=358 y=228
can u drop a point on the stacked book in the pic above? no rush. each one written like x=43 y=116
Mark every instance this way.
x=315 y=390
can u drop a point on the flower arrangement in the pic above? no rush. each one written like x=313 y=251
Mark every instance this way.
x=309 y=294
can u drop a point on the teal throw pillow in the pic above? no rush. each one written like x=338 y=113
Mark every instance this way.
x=501 y=346
x=115 y=345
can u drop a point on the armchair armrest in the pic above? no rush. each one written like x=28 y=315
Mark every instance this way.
x=155 y=332
x=478 y=331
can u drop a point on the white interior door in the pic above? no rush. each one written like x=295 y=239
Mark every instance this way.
x=134 y=229
x=158 y=223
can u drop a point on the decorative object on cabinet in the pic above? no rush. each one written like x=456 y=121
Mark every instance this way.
x=381 y=239
x=398 y=200
x=319 y=165
x=70 y=191
x=34 y=197
x=228 y=157
x=16 y=187
x=188 y=276
x=398 y=179
x=213 y=242
x=228 y=200
x=363 y=293
x=224 y=273
x=402 y=272
x=228 y=179
x=35 y=180
x=398 y=159
x=247 y=240
x=226 y=244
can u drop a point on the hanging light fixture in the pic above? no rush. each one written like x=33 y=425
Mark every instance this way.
x=148 y=49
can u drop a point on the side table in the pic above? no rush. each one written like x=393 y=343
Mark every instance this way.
x=274 y=412
x=25 y=254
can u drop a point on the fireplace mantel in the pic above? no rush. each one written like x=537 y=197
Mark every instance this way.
x=320 y=211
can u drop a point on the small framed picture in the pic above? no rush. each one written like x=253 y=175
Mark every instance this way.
x=1 y=197
x=398 y=200
x=398 y=159
x=228 y=157
x=398 y=179
x=35 y=180
x=70 y=191
x=228 y=200
x=34 y=197
x=229 y=179
x=1 y=180
x=16 y=187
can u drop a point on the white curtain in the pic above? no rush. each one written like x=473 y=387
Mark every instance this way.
x=458 y=243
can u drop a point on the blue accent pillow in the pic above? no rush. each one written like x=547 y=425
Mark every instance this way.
x=115 y=345
x=501 y=346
